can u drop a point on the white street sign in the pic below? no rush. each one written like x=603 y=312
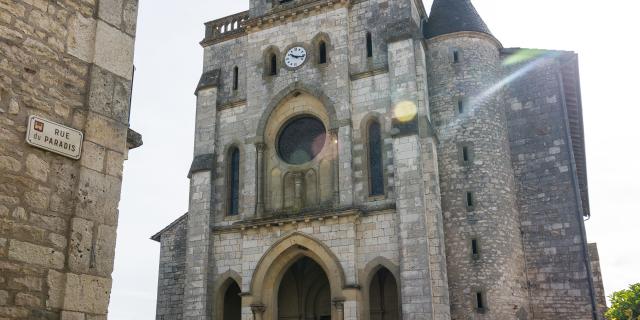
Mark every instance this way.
x=54 y=137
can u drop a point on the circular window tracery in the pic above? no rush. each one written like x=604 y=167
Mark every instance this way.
x=301 y=140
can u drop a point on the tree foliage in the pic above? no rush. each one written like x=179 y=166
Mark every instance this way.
x=625 y=304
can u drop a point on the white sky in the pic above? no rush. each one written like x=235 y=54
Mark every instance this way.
x=169 y=63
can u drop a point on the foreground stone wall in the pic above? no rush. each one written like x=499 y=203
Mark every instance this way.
x=71 y=62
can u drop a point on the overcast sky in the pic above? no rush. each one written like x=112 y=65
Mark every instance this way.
x=169 y=63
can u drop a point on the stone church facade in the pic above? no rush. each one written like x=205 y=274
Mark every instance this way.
x=362 y=160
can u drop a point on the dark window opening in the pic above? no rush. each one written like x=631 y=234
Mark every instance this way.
x=273 y=65
x=301 y=140
x=469 y=200
x=465 y=154
x=475 y=249
x=322 y=48
x=369 y=45
x=376 y=171
x=479 y=301
x=235 y=78
x=232 y=306
x=460 y=106
x=456 y=56
x=234 y=182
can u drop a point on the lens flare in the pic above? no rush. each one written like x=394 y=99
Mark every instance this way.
x=524 y=55
x=405 y=111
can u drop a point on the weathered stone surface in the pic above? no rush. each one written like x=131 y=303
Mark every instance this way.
x=35 y=254
x=86 y=293
x=27 y=300
x=36 y=200
x=111 y=11
x=105 y=249
x=80 y=41
x=115 y=162
x=4 y=297
x=37 y=167
x=55 y=285
x=114 y=50
x=80 y=245
x=106 y=132
x=92 y=156
x=10 y=164
x=67 y=315
x=98 y=197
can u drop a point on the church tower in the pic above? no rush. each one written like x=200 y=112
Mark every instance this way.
x=481 y=222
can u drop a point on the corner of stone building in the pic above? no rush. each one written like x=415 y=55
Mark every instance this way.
x=58 y=216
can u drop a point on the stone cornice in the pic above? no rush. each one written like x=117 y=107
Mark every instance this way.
x=302 y=9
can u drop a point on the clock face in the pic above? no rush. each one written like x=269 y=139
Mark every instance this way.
x=295 y=57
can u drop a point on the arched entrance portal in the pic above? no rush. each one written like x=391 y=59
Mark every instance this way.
x=304 y=292
x=232 y=306
x=383 y=296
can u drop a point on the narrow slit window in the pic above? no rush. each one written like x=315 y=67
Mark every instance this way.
x=460 y=106
x=376 y=171
x=273 y=65
x=475 y=249
x=456 y=56
x=369 y=45
x=465 y=154
x=235 y=78
x=469 y=200
x=234 y=182
x=322 y=48
x=479 y=301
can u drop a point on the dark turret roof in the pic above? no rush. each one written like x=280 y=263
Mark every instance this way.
x=449 y=16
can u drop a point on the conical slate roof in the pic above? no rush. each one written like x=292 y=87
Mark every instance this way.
x=449 y=16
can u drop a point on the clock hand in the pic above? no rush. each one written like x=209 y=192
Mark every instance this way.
x=297 y=57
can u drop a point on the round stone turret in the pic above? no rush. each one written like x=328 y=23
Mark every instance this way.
x=485 y=259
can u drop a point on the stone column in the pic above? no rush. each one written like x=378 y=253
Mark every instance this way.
x=339 y=305
x=260 y=147
x=298 y=178
x=196 y=304
x=345 y=181
x=333 y=133
x=258 y=311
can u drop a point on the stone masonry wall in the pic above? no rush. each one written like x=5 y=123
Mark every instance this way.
x=71 y=62
x=556 y=268
x=173 y=249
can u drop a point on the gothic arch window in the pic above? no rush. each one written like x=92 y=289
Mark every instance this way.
x=235 y=78
x=369 y=45
x=383 y=296
x=233 y=179
x=374 y=158
x=270 y=61
x=232 y=304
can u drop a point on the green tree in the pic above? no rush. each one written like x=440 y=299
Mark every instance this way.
x=625 y=304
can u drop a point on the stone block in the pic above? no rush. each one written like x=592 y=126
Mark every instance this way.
x=106 y=132
x=85 y=293
x=68 y=315
x=115 y=162
x=105 y=250
x=109 y=95
x=111 y=11
x=4 y=298
x=80 y=39
x=35 y=254
x=92 y=156
x=98 y=197
x=55 y=285
x=37 y=167
x=8 y=163
x=36 y=200
x=114 y=50
x=14 y=312
x=80 y=245
x=130 y=15
x=27 y=300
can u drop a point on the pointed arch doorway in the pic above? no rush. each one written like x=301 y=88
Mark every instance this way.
x=304 y=292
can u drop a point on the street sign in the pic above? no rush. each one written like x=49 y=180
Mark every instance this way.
x=54 y=137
